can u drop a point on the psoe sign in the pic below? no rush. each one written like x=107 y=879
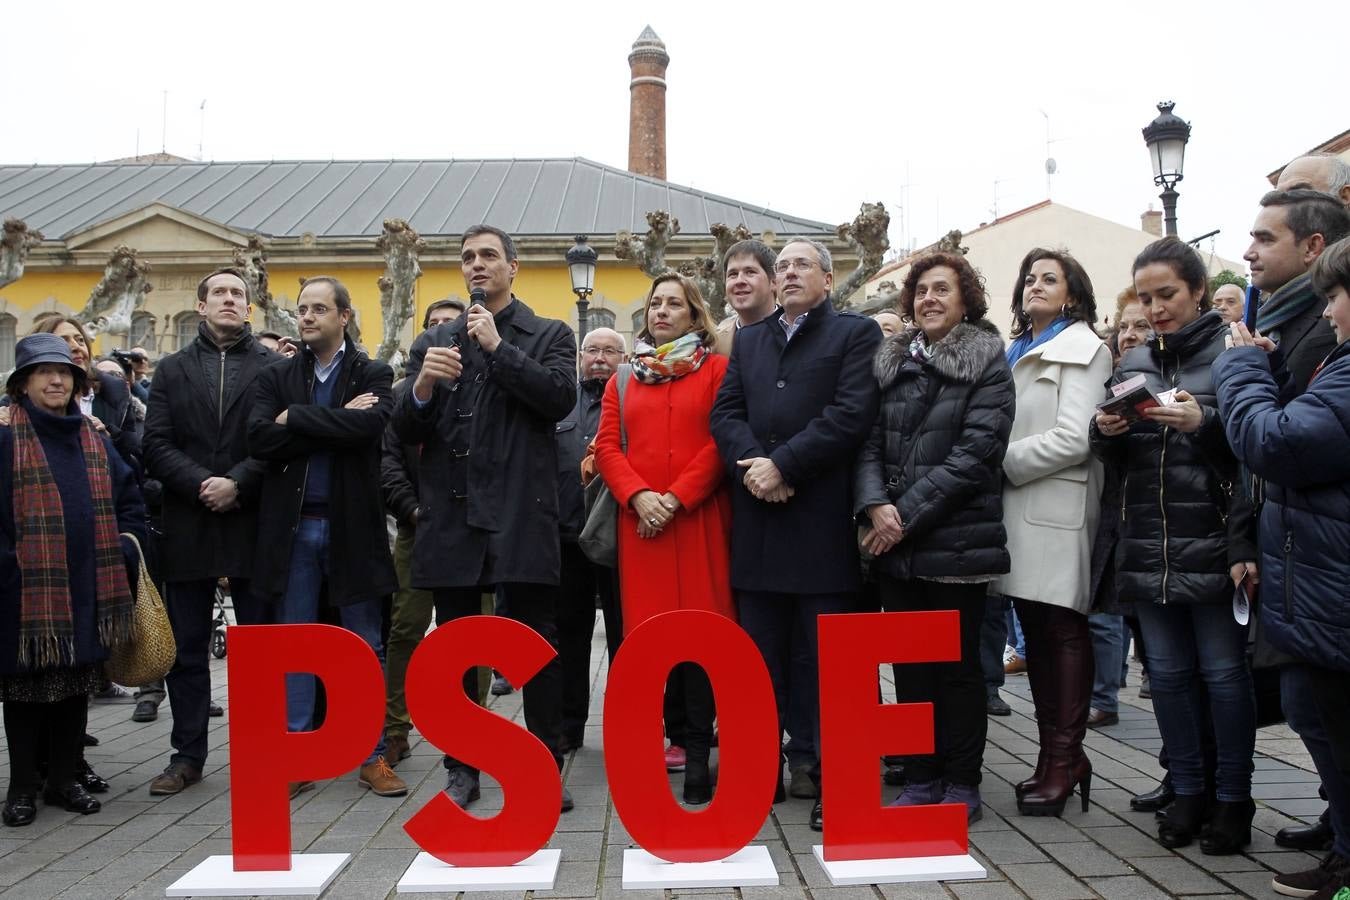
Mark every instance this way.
x=856 y=731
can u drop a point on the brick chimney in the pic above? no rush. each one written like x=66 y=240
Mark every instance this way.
x=1151 y=221
x=647 y=106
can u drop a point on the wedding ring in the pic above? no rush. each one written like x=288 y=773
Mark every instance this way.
x=652 y=520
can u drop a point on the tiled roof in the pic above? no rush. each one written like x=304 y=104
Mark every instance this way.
x=352 y=198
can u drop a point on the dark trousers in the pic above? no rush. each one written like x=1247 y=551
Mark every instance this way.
x=1298 y=698
x=47 y=733
x=581 y=582
x=535 y=606
x=783 y=627
x=956 y=689
x=191 y=608
x=1331 y=695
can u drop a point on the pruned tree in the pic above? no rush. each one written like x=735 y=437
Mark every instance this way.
x=119 y=293
x=252 y=261
x=650 y=252
x=951 y=243
x=14 y=246
x=401 y=244
x=887 y=297
x=867 y=235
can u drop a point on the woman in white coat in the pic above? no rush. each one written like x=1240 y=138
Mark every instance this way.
x=1051 y=504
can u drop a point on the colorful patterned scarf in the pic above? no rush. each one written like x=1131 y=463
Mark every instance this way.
x=46 y=620
x=657 y=365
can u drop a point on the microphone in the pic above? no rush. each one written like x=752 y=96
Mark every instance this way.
x=477 y=297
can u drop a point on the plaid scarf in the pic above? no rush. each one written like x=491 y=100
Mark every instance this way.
x=1290 y=301
x=46 y=621
x=657 y=365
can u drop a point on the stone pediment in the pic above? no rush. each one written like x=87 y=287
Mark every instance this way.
x=158 y=228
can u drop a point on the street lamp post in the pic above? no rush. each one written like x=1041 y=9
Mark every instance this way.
x=1166 y=137
x=581 y=266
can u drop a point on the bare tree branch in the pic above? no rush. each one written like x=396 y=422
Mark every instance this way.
x=119 y=293
x=14 y=247
x=401 y=244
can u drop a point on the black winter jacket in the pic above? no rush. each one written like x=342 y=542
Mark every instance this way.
x=194 y=430
x=359 y=565
x=1185 y=519
x=575 y=433
x=398 y=469
x=489 y=473
x=937 y=450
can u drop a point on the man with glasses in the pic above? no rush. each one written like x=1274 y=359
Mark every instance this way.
x=602 y=351
x=317 y=421
x=797 y=402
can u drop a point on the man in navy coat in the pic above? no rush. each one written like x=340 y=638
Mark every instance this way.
x=797 y=402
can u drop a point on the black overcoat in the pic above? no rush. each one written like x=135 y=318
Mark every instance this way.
x=807 y=404
x=489 y=470
x=359 y=565
x=190 y=435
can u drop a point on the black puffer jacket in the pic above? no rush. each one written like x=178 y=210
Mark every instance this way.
x=1183 y=523
x=937 y=450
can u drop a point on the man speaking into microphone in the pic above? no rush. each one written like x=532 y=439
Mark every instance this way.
x=488 y=389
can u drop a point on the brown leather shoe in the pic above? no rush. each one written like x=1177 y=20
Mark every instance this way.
x=381 y=779
x=396 y=748
x=1014 y=665
x=174 y=779
x=1098 y=719
x=296 y=788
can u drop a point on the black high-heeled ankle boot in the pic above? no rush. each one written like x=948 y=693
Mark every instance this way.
x=1184 y=818
x=1230 y=827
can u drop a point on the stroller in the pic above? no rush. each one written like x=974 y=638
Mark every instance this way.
x=219 y=623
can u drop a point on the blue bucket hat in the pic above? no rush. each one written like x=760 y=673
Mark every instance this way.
x=39 y=349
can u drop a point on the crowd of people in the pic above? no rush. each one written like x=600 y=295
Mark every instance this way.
x=792 y=460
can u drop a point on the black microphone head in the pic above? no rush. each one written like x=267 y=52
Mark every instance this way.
x=478 y=297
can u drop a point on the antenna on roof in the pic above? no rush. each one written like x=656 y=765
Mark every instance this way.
x=201 y=132
x=164 y=126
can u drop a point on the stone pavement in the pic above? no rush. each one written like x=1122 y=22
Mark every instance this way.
x=140 y=844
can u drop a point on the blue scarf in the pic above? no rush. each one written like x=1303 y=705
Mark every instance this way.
x=1025 y=344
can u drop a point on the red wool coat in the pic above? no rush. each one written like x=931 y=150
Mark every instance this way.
x=688 y=565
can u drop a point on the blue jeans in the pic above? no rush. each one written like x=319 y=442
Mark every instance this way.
x=1108 y=650
x=300 y=606
x=1201 y=639
x=993 y=639
x=1015 y=638
x=1296 y=698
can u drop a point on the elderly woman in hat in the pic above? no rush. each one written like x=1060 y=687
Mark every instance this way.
x=65 y=593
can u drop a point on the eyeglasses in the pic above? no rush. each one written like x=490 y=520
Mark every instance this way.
x=783 y=266
x=607 y=352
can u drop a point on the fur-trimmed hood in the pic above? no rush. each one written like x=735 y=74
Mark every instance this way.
x=962 y=355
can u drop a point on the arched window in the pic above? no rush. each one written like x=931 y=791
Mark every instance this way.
x=8 y=335
x=185 y=328
x=142 y=332
x=599 y=318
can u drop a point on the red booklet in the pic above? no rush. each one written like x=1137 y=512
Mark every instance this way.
x=1129 y=399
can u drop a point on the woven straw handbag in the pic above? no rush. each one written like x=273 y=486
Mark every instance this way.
x=151 y=651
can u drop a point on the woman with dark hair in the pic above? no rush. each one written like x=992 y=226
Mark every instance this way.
x=930 y=485
x=65 y=593
x=1186 y=540
x=660 y=463
x=1051 y=505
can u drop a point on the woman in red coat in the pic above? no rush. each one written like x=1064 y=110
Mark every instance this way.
x=675 y=516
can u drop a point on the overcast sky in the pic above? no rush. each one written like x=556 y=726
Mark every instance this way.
x=936 y=109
